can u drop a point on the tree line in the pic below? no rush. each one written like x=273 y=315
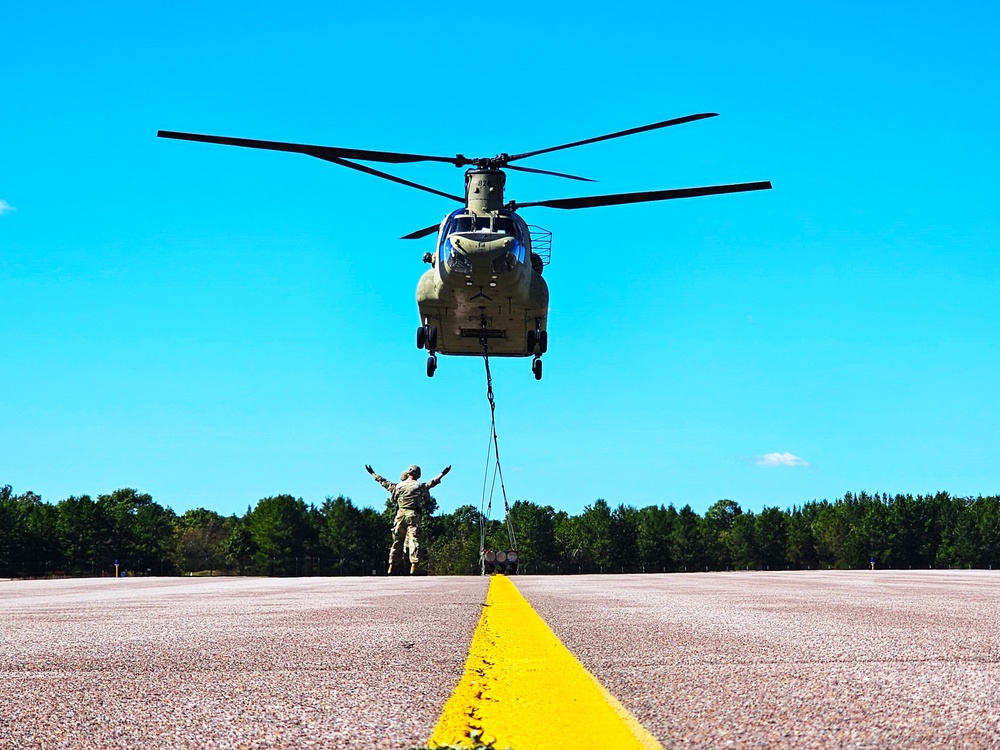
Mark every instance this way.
x=284 y=536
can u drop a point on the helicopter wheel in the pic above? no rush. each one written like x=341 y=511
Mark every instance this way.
x=432 y=338
x=432 y=364
x=536 y=368
x=421 y=337
x=531 y=341
x=543 y=342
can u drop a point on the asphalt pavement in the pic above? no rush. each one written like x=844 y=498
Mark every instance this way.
x=231 y=662
x=829 y=659
x=822 y=659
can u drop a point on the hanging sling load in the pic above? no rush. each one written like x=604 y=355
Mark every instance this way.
x=504 y=561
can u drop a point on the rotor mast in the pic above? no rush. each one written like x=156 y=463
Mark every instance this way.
x=484 y=189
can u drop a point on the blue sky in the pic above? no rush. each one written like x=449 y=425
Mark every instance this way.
x=214 y=325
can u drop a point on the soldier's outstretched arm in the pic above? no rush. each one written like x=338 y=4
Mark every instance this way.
x=380 y=479
x=437 y=480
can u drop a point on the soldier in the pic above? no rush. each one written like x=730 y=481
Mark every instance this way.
x=410 y=496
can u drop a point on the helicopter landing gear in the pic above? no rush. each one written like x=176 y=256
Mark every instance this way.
x=538 y=340
x=427 y=336
x=536 y=367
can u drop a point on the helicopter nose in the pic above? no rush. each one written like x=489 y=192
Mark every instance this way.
x=479 y=254
x=482 y=244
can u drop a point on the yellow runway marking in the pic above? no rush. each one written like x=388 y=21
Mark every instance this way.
x=523 y=689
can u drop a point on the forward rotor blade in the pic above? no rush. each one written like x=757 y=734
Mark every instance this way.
x=545 y=171
x=651 y=195
x=393 y=178
x=421 y=232
x=619 y=134
x=327 y=153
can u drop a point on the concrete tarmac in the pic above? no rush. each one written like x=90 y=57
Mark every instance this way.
x=231 y=662
x=751 y=660
x=822 y=659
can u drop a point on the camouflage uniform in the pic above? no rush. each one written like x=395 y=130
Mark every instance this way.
x=411 y=497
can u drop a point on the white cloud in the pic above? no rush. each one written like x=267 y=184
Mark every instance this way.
x=5 y=207
x=780 y=459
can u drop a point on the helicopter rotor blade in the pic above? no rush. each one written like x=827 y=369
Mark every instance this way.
x=618 y=199
x=421 y=232
x=545 y=171
x=619 y=134
x=327 y=153
x=393 y=178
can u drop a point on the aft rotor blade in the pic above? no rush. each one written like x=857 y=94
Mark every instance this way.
x=327 y=153
x=545 y=171
x=421 y=232
x=651 y=195
x=619 y=134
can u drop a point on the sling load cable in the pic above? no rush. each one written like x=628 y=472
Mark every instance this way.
x=494 y=450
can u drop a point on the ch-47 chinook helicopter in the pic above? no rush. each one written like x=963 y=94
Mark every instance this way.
x=484 y=292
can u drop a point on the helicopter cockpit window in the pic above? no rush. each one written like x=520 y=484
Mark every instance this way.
x=444 y=246
x=471 y=224
x=508 y=225
x=505 y=226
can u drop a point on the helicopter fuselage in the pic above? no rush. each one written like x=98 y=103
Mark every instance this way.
x=484 y=286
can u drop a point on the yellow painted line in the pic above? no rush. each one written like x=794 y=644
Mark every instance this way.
x=523 y=689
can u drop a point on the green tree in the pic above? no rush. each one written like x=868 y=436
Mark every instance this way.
x=284 y=537
x=199 y=540
x=81 y=529
x=800 y=550
x=912 y=532
x=771 y=537
x=717 y=528
x=570 y=544
x=374 y=542
x=153 y=534
x=535 y=527
x=686 y=541
x=12 y=533
x=27 y=532
x=959 y=536
x=869 y=536
x=655 y=532
x=454 y=540
x=239 y=548
x=831 y=529
x=132 y=529
x=741 y=542
x=351 y=539
x=591 y=535
x=985 y=512
x=624 y=548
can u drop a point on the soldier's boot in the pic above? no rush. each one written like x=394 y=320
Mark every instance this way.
x=413 y=569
